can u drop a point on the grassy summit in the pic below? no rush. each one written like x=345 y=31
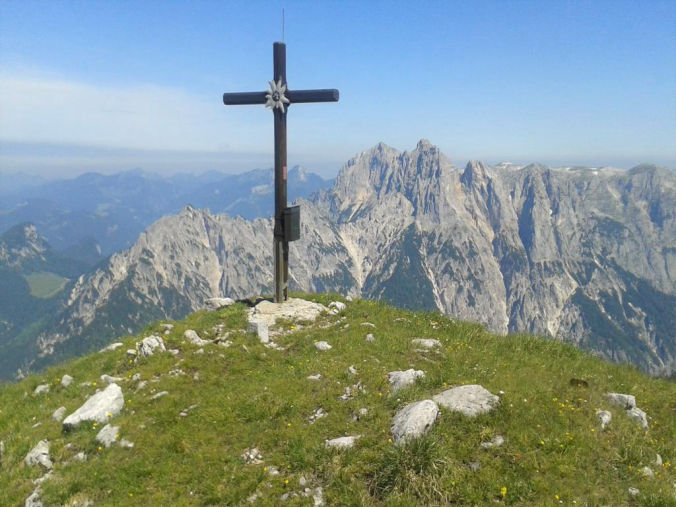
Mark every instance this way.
x=223 y=401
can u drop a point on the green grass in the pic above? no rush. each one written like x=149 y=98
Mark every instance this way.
x=249 y=395
x=45 y=285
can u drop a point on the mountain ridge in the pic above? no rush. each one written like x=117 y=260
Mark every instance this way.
x=581 y=256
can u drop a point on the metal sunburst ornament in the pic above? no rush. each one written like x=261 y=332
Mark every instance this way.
x=275 y=96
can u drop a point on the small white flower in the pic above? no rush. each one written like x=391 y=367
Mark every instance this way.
x=275 y=95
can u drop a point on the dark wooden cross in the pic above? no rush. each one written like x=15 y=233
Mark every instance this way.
x=278 y=97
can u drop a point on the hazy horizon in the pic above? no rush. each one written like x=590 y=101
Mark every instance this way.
x=110 y=86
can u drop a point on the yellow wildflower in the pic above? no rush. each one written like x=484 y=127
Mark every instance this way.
x=503 y=491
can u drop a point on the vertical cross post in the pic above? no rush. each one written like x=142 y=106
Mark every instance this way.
x=281 y=247
x=279 y=98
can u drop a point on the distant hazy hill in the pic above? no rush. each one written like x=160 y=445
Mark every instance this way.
x=583 y=255
x=112 y=210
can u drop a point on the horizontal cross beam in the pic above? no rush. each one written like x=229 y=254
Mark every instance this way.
x=295 y=96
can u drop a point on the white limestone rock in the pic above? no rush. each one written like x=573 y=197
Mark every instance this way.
x=496 y=442
x=639 y=416
x=368 y=324
x=41 y=389
x=414 y=420
x=218 y=303
x=260 y=328
x=34 y=499
x=427 y=343
x=294 y=309
x=316 y=376
x=370 y=338
x=100 y=408
x=59 y=414
x=604 y=418
x=647 y=472
x=150 y=345
x=191 y=336
x=39 y=455
x=470 y=400
x=111 y=347
x=317 y=414
x=126 y=444
x=108 y=435
x=342 y=442
x=107 y=379
x=633 y=491
x=252 y=456
x=400 y=379
x=626 y=401
x=159 y=395
x=336 y=307
x=322 y=345
x=66 y=380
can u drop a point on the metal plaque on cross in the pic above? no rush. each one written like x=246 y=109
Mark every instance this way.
x=278 y=98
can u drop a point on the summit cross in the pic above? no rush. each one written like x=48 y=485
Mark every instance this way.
x=279 y=98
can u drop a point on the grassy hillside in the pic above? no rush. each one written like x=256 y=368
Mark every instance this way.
x=247 y=395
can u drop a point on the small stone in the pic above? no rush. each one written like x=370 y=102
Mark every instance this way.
x=368 y=324
x=370 y=338
x=351 y=369
x=59 y=414
x=363 y=411
x=159 y=395
x=260 y=328
x=322 y=345
x=604 y=417
x=192 y=337
x=174 y=352
x=318 y=497
x=132 y=354
x=342 y=442
x=252 y=456
x=639 y=416
x=470 y=400
x=66 y=380
x=199 y=351
x=149 y=345
x=39 y=455
x=496 y=442
x=414 y=420
x=108 y=435
x=348 y=298
x=107 y=379
x=633 y=492
x=648 y=472
x=316 y=376
x=80 y=456
x=167 y=326
x=36 y=425
x=626 y=401
x=400 y=379
x=317 y=414
x=273 y=471
x=141 y=385
x=474 y=466
x=126 y=444
x=302 y=481
x=111 y=347
x=136 y=376
x=338 y=306
x=426 y=343
x=41 y=389
x=658 y=460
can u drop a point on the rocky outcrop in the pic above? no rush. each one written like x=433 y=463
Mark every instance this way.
x=414 y=420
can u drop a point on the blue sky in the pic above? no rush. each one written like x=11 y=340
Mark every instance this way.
x=117 y=85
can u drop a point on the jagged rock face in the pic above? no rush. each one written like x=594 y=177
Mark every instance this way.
x=582 y=255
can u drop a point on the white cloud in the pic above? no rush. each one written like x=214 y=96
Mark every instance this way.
x=38 y=109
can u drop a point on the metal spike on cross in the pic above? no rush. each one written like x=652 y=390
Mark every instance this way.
x=279 y=98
